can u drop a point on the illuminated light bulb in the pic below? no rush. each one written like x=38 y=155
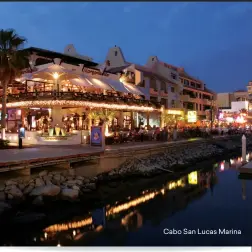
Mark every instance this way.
x=52 y=103
x=55 y=76
x=45 y=235
x=58 y=245
x=163 y=191
x=74 y=233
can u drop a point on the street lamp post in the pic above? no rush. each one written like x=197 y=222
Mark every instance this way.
x=56 y=77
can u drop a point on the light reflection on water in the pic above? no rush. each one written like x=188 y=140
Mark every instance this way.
x=137 y=214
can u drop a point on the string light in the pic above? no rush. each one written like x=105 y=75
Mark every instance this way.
x=79 y=104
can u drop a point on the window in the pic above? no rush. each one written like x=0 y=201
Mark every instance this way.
x=142 y=83
x=163 y=87
x=192 y=84
x=198 y=86
x=173 y=103
x=115 y=53
x=172 y=89
x=163 y=102
x=153 y=84
x=197 y=107
x=200 y=107
x=200 y=95
x=186 y=82
x=174 y=76
x=181 y=80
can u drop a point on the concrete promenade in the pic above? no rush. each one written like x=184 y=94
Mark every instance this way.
x=52 y=152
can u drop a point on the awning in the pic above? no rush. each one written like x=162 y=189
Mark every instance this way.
x=97 y=83
x=81 y=82
x=133 y=89
x=116 y=85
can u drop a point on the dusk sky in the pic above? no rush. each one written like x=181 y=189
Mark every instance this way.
x=213 y=41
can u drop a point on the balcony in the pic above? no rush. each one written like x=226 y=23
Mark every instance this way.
x=163 y=93
x=79 y=96
x=153 y=91
x=185 y=98
x=207 y=102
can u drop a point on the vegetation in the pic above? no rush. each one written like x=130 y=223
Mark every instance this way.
x=4 y=143
x=12 y=62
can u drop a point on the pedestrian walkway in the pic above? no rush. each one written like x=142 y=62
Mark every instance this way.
x=34 y=153
x=52 y=152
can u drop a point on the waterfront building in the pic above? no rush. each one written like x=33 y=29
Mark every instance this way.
x=170 y=85
x=60 y=95
x=224 y=100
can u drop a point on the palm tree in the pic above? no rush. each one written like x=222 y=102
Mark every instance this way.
x=107 y=116
x=12 y=62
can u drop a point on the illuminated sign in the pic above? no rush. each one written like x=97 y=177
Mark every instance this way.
x=174 y=112
x=191 y=116
x=193 y=178
x=96 y=136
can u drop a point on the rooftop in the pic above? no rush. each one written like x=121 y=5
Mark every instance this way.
x=66 y=58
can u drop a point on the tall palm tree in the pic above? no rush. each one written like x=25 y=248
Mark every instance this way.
x=12 y=62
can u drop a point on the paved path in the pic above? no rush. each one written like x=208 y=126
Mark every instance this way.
x=43 y=152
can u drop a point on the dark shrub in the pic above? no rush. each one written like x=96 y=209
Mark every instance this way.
x=4 y=143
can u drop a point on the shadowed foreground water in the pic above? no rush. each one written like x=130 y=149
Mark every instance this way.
x=211 y=199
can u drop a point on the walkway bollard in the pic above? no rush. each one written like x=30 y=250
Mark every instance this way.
x=244 y=147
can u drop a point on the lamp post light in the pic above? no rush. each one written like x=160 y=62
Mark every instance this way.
x=56 y=77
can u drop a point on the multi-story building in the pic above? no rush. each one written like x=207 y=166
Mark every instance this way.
x=224 y=100
x=162 y=82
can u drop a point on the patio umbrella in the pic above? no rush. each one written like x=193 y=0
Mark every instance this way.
x=55 y=71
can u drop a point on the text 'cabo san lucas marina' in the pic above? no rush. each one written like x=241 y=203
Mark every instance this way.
x=118 y=153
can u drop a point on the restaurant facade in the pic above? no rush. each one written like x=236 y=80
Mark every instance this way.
x=60 y=96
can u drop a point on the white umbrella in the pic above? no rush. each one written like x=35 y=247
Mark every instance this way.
x=55 y=71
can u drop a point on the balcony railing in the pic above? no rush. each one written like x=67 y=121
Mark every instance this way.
x=79 y=96
x=153 y=91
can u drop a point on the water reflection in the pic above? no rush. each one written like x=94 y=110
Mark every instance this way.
x=132 y=213
x=150 y=207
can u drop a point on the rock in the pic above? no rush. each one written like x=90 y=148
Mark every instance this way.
x=21 y=187
x=10 y=197
x=10 y=187
x=10 y=182
x=79 y=182
x=71 y=182
x=47 y=190
x=86 y=181
x=28 y=189
x=2 y=196
x=2 y=187
x=43 y=173
x=39 y=182
x=91 y=186
x=57 y=177
x=48 y=182
x=4 y=206
x=69 y=194
x=71 y=172
x=16 y=193
x=76 y=187
x=38 y=201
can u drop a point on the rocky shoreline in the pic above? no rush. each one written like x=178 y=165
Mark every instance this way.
x=66 y=186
